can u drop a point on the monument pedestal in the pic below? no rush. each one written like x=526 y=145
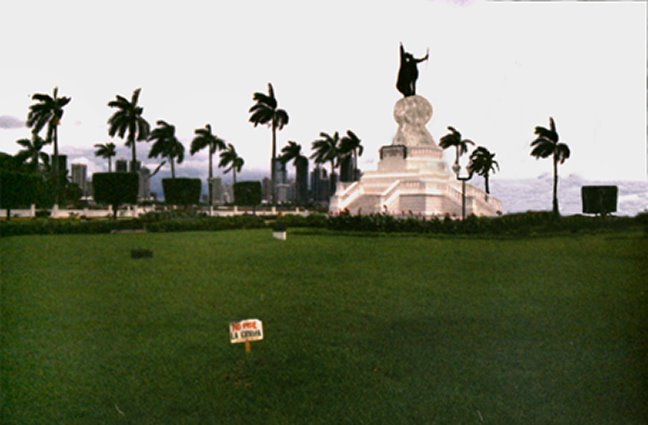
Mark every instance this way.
x=412 y=178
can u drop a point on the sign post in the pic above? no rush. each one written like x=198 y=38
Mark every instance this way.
x=246 y=331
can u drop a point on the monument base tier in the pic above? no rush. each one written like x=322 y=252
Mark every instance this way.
x=411 y=193
x=412 y=177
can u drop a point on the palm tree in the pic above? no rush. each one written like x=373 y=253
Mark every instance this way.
x=48 y=110
x=547 y=145
x=266 y=111
x=453 y=139
x=128 y=118
x=229 y=158
x=106 y=151
x=166 y=144
x=482 y=162
x=32 y=152
x=292 y=152
x=205 y=138
x=327 y=149
x=351 y=145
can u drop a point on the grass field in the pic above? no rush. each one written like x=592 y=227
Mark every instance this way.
x=358 y=329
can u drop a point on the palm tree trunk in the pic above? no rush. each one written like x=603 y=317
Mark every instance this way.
x=209 y=182
x=234 y=178
x=332 y=179
x=55 y=168
x=354 y=176
x=172 y=167
x=131 y=138
x=272 y=165
x=555 y=187
x=486 y=183
x=109 y=165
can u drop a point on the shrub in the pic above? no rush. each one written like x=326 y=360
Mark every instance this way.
x=247 y=193
x=599 y=199
x=115 y=189
x=182 y=191
x=17 y=190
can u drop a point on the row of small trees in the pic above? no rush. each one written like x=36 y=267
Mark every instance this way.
x=482 y=161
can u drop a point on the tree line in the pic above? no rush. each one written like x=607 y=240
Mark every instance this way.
x=341 y=153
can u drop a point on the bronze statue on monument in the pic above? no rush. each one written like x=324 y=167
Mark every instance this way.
x=408 y=72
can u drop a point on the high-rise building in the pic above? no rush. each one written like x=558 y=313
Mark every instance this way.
x=301 y=181
x=121 y=166
x=281 y=174
x=283 y=193
x=266 y=190
x=134 y=166
x=319 y=185
x=62 y=165
x=144 y=191
x=80 y=177
x=218 y=191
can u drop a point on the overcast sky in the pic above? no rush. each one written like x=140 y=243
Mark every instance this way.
x=496 y=70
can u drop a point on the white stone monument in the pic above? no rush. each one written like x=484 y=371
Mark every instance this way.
x=412 y=178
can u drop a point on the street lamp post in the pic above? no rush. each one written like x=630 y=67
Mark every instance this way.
x=463 y=179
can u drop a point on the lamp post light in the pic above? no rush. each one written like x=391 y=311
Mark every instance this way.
x=463 y=179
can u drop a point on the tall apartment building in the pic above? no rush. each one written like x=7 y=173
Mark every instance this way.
x=80 y=177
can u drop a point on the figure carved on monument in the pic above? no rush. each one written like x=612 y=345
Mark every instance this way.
x=408 y=72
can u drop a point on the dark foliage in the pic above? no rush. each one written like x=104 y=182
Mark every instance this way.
x=115 y=189
x=599 y=199
x=18 y=189
x=207 y=224
x=182 y=191
x=247 y=193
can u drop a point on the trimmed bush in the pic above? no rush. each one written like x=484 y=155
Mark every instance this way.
x=247 y=193
x=599 y=199
x=115 y=189
x=182 y=191
x=17 y=190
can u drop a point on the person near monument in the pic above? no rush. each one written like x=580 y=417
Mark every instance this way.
x=408 y=72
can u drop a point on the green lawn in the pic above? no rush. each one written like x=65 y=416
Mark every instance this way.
x=358 y=329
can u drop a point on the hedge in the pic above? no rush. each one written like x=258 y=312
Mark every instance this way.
x=247 y=193
x=509 y=225
x=599 y=199
x=181 y=191
x=18 y=190
x=115 y=189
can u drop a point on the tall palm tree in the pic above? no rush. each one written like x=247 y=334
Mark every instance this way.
x=351 y=145
x=229 y=158
x=547 y=145
x=205 y=138
x=166 y=144
x=483 y=163
x=453 y=139
x=326 y=148
x=106 y=151
x=266 y=111
x=48 y=110
x=128 y=118
x=31 y=152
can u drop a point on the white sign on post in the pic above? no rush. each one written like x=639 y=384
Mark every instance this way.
x=246 y=330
